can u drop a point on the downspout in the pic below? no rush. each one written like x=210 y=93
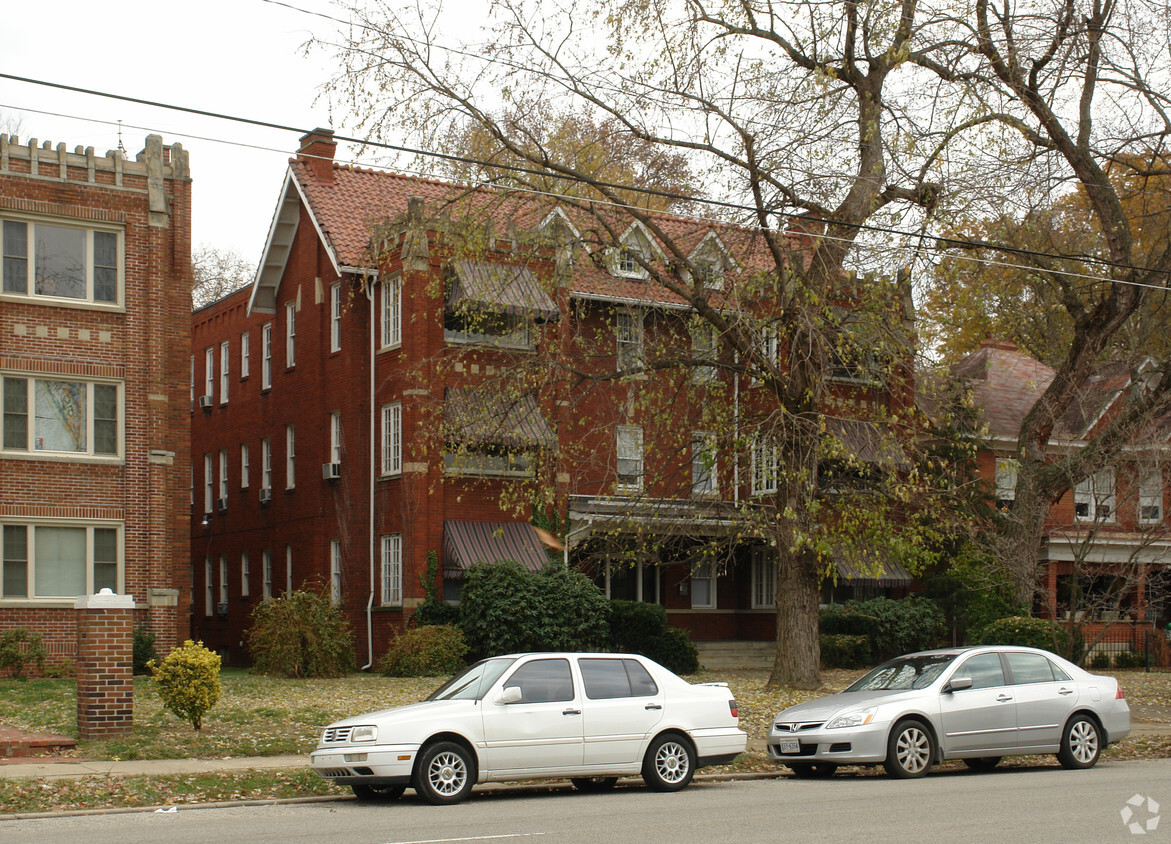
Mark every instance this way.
x=370 y=467
x=736 y=436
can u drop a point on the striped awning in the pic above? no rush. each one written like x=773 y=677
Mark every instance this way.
x=468 y=543
x=499 y=288
x=884 y=574
x=494 y=418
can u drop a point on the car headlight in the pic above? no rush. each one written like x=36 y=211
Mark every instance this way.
x=367 y=733
x=855 y=718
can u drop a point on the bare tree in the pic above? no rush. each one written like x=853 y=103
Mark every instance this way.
x=217 y=272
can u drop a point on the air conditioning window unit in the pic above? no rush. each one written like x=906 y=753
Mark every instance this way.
x=265 y=496
x=221 y=504
x=222 y=608
x=205 y=402
x=331 y=471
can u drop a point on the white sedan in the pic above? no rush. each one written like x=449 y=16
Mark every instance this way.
x=590 y=717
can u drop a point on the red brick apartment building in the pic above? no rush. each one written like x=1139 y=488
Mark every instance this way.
x=95 y=302
x=408 y=372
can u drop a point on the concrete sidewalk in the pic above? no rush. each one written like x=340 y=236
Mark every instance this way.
x=61 y=767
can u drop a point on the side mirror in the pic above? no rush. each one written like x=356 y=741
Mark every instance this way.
x=512 y=694
x=958 y=684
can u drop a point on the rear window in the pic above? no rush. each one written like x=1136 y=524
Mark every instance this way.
x=1031 y=668
x=614 y=678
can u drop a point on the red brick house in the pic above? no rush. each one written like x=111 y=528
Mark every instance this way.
x=417 y=362
x=1107 y=544
x=95 y=300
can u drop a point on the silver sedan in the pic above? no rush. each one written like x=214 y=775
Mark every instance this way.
x=974 y=704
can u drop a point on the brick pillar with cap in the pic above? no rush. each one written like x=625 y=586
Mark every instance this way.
x=105 y=676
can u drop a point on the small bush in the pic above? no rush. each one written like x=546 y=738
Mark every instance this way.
x=144 y=649
x=61 y=669
x=1125 y=660
x=431 y=651
x=20 y=648
x=641 y=628
x=674 y=650
x=188 y=681
x=843 y=650
x=1100 y=661
x=893 y=627
x=1029 y=632
x=433 y=610
x=300 y=634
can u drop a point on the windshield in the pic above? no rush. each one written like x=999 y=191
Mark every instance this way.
x=473 y=681
x=905 y=672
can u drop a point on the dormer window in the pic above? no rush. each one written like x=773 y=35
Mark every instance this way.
x=709 y=261
x=627 y=264
x=635 y=250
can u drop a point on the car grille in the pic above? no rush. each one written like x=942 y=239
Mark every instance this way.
x=807 y=749
x=333 y=735
x=796 y=726
x=333 y=772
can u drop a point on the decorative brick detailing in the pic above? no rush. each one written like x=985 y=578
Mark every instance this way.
x=105 y=677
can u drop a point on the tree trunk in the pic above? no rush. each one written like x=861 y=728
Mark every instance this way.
x=1020 y=544
x=798 y=659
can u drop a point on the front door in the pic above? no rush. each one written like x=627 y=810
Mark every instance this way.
x=541 y=731
x=982 y=718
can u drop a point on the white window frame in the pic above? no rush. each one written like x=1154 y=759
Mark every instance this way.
x=335 y=572
x=392 y=312
x=290 y=457
x=1095 y=495
x=335 y=317
x=266 y=557
x=628 y=451
x=290 y=335
x=629 y=337
x=208 y=482
x=30 y=563
x=705 y=481
x=704 y=345
x=764 y=578
x=391 y=579
x=208 y=587
x=225 y=360
x=223 y=578
x=392 y=438
x=209 y=373
x=10 y=428
x=245 y=575
x=335 y=437
x=244 y=459
x=1150 y=495
x=245 y=354
x=224 y=474
x=9 y=250
x=266 y=464
x=765 y=467
x=703 y=572
x=1007 y=471
x=266 y=356
x=288 y=568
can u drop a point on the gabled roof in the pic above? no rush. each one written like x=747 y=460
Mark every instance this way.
x=1005 y=384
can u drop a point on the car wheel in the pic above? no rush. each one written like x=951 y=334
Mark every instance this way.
x=1081 y=743
x=446 y=773
x=910 y=750
x=983 y=763
x=593 y=784
x=669 y=763
x=369 y=793
x=813 y=770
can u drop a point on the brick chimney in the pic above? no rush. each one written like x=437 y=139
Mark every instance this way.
x=317 y=148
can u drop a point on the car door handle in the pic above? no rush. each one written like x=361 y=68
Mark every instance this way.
x=1065 y=691
x=571 y=712
x=1003 y=698
x=652 y=706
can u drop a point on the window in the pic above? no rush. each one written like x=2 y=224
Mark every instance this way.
x=542 y=681
x=764 y=578
x=629 y=332
x=710 y=273
x=208 y=587
x=703 y=464
x=209 y=372
x=1029 y=668
x=335 y=437
x=703 y=348
x=335 y=571
x=626 y=264
x=703 y=587
x=266 y=557
x=765 y=467
x=290 y=335
x=60 y=560
x=984 y=669
x=208 y=483
x=392 y=570
x=290 y=457
x=1093 y=497
x=243 y=465
x=1150 y=496
x=392 y=439
x=224 y=475
x=629 y=447
x=1006 y=475
x=335 y=317
x=245 y=357
x=266 y=356
x=225 y=352
x=606 y=679
x=266 y=463
x=223 y=579
x=392 y=315
x=61 y=262
x=288 y=568
x=46 y=416
x=245 y=575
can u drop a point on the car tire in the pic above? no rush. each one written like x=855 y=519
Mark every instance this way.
x=373 y=793
x=669 y=763
x=982 y=763
x=910 y=750
x=446 y=773
x=592 y=785
x=1081 y=743
x=812 y=770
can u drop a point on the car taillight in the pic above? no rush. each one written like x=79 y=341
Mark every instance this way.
x=732 y=705
x=1119 y=695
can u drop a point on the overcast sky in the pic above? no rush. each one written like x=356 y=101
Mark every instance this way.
x=238 y=57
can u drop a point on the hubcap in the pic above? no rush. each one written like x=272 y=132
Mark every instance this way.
x=1083 y=741
x=913 y=750
x=671 y=762
x=447 y=773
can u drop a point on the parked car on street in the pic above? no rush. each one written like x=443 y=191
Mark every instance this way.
x=975 y=704
x=588 y=716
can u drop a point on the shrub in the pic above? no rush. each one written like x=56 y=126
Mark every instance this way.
x=843 y=650
x=144 y=649
x=188 y=681
x=21 y=647
x=425 y=652
x=61 y=669
x=893 y=627
x=433 y=611
x=1124 y=660
x=1100 y=661
x=674 y=650
x=300 y=634
x=507 y=609
x=641 y=628
x=1029 y=632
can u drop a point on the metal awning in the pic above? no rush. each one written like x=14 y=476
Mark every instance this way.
x=867 y=442
x=884 y=574
x=468 y=543
x=499 y=288
x=493 y=418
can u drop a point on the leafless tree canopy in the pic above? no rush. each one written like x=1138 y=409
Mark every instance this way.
x=217 y=272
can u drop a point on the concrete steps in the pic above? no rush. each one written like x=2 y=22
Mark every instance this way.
x=724 y=654
x=17 y=744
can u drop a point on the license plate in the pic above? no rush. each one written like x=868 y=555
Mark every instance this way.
x=789 y=745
